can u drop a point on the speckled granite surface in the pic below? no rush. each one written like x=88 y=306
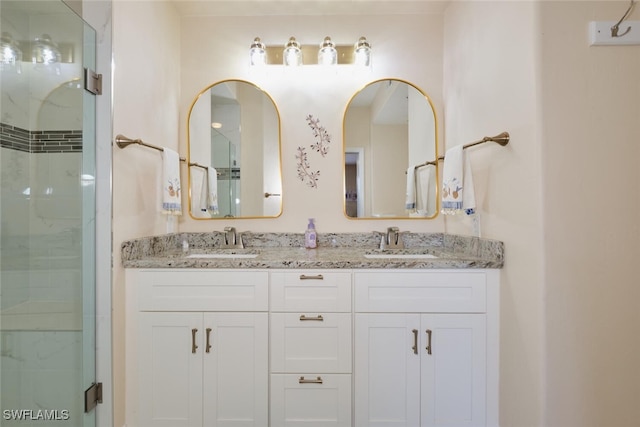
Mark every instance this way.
x=335 y=250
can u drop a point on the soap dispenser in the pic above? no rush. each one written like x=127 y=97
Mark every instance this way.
x=310 y=235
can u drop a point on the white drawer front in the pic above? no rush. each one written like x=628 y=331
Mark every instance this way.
x=310 y=290
x=187 y=290
x=311 y=400
x=311 y=342
x=412 y=291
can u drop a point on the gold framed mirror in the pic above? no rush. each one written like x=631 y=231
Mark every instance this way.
x=234 y=153
x=390 y=137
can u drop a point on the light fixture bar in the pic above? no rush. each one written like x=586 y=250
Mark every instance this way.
x=310 y=54
x=274 y=54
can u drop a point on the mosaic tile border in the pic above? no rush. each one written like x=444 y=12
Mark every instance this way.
x=40 y=141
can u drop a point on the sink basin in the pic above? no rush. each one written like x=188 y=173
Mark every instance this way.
x=399 y=255
x=224 y=253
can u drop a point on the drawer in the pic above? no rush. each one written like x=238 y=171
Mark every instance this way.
x=315 y=342
x=311 y=400
x=207 y=290
x=420 y=292
x=310 y=291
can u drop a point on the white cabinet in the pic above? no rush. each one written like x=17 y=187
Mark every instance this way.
x=325 y=348
x=420 y=363
x=311 y=357
x=197 y=368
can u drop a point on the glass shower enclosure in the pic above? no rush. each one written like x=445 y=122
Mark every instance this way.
x=47 y=215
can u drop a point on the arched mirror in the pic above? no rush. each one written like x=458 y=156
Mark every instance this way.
x=234 y=153
x=390 y=151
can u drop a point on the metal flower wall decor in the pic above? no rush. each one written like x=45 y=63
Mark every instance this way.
x=321 y=146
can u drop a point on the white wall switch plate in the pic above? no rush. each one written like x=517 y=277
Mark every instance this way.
x=600 y=33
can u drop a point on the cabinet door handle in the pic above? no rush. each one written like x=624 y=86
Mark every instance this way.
x=415 y=341
x=428 y=348
x=317 y=380
x=194 y=346
x=316 y=277
x=208 y=346
x=318 y=318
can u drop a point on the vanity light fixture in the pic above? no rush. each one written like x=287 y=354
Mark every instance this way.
x=258 y=52
x=362 y=52
x=295 y=54
x=292 y=55
x=327 y=55
x=10 y=54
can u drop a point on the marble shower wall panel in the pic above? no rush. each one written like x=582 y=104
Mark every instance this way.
x=37 y=367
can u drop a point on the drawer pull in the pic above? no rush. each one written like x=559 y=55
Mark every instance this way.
x=415 y=341
x=208 y=346
x=194 y=346
x=317 y=380
x=316 y=277
x=318 y=318
x=428 y=348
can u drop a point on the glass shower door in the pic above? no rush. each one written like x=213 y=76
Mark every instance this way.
x=47 y=215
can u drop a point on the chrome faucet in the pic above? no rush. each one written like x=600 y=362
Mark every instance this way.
x=392 y=239
x=232 y=239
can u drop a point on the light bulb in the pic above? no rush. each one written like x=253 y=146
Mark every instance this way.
x=292 y=54
x=258 y=53
x=327 y=55
x=363 y=52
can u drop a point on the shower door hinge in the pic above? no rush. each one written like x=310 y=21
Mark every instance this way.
x=92 y=81
x=92 y=396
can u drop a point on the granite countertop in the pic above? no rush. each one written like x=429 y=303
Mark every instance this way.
x=334 y=251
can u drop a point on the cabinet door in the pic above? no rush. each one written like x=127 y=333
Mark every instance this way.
x=235 y=369
x=454 y=374
x=387 y=370
x=170 y=369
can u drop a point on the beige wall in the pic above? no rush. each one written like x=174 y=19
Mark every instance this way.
x=309 y=91
x=145 y=105
x=491 y=85
x=590 y=142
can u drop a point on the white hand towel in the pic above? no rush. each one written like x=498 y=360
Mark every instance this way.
x=410 y=199
x=204 y=191
x=212 y=191
x=458 y=194
x=423 y=189
x=171 y=200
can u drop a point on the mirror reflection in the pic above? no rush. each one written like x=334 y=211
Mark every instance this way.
x=234 y=153
x=390 y=133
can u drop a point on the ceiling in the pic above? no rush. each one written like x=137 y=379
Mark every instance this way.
x=307 y=7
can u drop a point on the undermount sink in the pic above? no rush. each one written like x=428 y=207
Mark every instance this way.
x=400 y=254
x=224 y=253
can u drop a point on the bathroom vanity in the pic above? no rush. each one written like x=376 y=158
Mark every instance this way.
x=342 y=335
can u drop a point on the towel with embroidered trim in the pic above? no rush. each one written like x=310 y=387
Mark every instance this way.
x=458 y=194
x=171 y=199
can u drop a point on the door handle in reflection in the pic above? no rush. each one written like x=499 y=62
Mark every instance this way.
x=194 y=346
x=267 y=195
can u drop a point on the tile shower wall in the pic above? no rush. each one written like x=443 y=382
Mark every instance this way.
x=41 y=273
